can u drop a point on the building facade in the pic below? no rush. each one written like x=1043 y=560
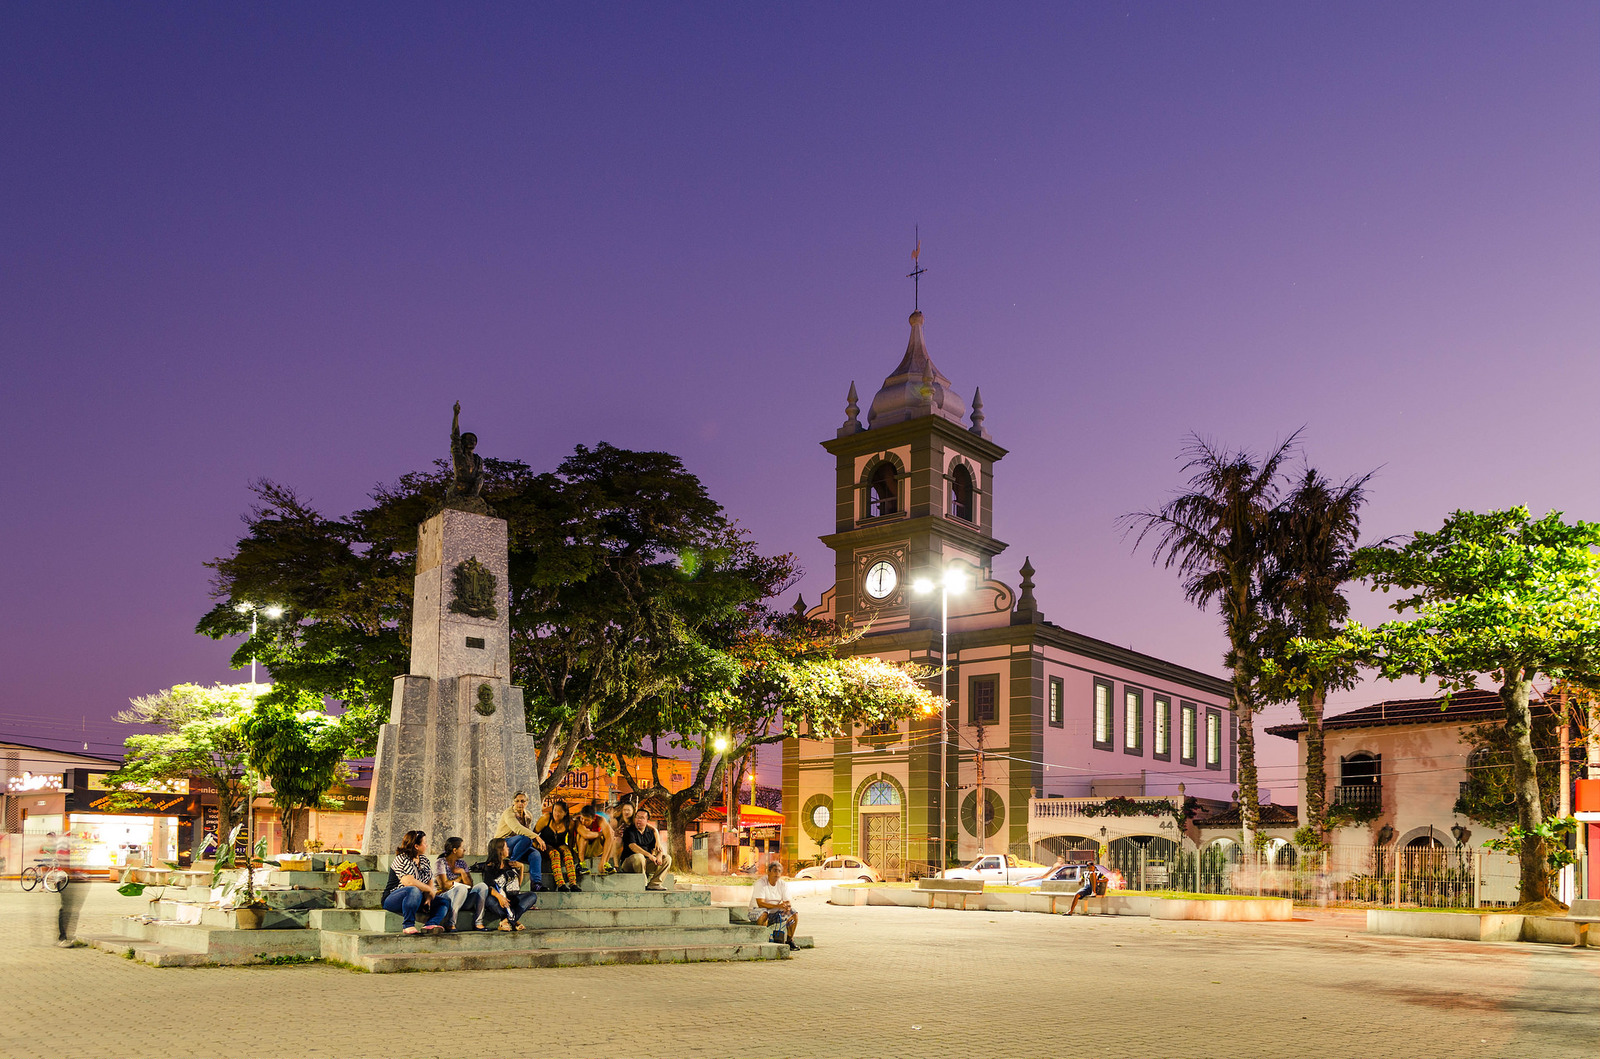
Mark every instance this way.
x=1036 y=710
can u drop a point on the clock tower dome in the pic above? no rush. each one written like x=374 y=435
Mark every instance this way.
x=914 y=494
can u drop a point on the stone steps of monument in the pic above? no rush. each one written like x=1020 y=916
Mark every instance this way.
x=222 y=942
x=354 y=946
x=323 y=880
x=379 y=921
x=358 y=899
x=495 y=959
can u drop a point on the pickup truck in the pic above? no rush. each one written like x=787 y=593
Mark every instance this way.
x=996 y=867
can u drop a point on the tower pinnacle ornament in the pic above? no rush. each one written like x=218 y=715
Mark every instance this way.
x=977 y=415
x=852 y=414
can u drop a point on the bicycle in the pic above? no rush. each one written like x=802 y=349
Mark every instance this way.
x=54 y=880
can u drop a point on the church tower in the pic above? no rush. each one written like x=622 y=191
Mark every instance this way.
x=914 y=494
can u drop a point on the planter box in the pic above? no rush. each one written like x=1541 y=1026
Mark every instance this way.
x=1459 y=926
x=1232 y=910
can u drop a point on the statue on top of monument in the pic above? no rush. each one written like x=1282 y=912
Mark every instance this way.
x=465 y=491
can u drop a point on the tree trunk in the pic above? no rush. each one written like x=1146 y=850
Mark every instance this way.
x=1535 y=871
x=1249 y=792
x=1316 y=765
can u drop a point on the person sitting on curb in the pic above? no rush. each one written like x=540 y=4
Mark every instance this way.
x=641 y=850
x=769 y=903
x=410 y=888
x=525 y=846
x=496 y=872
x=1090 y=888
x=593 y=836
x=455 y=883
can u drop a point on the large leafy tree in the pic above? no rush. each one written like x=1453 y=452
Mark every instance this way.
x=617 y=560
x=298 y=749
x=1218 y=535
x=1314 y=536
x=201 y=735
x=1503 y=594
x=763 y=676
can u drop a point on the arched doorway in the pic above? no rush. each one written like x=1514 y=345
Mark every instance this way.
x=880 y=804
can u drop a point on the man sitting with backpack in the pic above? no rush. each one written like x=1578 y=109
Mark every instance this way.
x=769 y=904
x=1095 y=881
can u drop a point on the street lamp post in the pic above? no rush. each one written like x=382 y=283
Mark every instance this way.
x=953 y=581
x=273 y=613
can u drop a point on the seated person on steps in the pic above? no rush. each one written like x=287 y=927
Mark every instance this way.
x=642 y=852
x=497 y=872
x=555 y=830
x=769 y=903
x=619 y=823
x=523 y=844
x=410 y=888
x=455 y=883
x=593 y=836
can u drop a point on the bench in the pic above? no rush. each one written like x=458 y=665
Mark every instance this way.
x=1581 y=914
x=950 y=889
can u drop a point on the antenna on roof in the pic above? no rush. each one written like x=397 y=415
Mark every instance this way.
x=915 y=275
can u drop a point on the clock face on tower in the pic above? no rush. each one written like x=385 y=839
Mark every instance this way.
x=881 y=579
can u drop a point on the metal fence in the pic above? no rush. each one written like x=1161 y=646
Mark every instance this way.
x=1459 y=877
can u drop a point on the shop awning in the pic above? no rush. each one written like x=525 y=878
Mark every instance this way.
x=749 y=816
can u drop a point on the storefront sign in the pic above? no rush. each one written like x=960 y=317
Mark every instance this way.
x=97 y=782
x=29 y=782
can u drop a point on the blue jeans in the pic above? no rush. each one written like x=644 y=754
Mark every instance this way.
x=407 y=901
x=521 y=848
x=519 y=900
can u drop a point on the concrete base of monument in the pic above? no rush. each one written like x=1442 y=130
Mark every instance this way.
x=614 y=919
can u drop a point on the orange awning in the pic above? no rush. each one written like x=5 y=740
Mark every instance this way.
x=751 y=816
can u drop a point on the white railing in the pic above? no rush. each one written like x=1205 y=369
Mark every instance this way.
x=1087 y=808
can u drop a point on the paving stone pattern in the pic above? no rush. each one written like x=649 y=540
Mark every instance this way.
x=881 y=982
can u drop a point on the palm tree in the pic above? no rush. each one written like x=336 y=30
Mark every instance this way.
x=1313 y=545
x=1218 y=536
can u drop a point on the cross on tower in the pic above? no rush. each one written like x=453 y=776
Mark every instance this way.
x=915 y=275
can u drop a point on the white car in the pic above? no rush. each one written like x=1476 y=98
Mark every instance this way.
x=840 y=868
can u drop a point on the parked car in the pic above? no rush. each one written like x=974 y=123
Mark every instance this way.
x=840 y=868
x=1072 y=873
x=995 y=867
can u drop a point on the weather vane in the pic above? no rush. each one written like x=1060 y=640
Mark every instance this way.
x=915 y=275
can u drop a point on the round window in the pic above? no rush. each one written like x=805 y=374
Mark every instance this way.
x=821 y=815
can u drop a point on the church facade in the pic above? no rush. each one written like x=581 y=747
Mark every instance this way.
x=1037 y=711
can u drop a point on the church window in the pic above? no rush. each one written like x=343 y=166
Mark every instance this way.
x=1161 y=737
x=1186 y=732
x=961 y=493
x=983 y=692
x=1213 y=739
x=1057 y=693
x=1132 y=721
x=880 y=792
x=884 y=491
x=1102 y=714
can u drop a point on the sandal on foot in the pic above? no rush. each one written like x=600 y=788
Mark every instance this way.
x=505 y=926
x=409 y=930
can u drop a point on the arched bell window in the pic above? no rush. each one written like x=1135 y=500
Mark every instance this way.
x=961 y=492
x=884 y=491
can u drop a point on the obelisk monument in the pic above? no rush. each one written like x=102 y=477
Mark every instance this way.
x=455 y=748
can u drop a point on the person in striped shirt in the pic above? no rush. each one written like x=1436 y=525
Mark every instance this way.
x=410 y=890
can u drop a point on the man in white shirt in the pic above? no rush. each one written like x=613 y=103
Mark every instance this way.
x=769 y=903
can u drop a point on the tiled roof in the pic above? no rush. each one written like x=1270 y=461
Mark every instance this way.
x=1465 y=707
x=1271 y=816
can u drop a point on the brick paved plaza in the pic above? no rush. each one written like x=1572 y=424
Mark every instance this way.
x=882 y=981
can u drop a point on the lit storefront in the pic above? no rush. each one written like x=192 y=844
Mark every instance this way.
x=113 y=827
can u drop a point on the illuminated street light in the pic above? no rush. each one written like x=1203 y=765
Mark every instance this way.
x=954 y=581
x=272 y=612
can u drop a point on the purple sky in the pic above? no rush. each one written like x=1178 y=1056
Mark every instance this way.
x=243 y=243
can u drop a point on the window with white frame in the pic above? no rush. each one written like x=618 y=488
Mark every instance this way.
x=1102 y=714
x=1161 y=728
x=1186 y=732
x=1057 y=693
x=1132 y=721
x=1213 y=739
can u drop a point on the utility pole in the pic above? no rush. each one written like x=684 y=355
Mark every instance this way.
x=1564 y=805
x=979 y=815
